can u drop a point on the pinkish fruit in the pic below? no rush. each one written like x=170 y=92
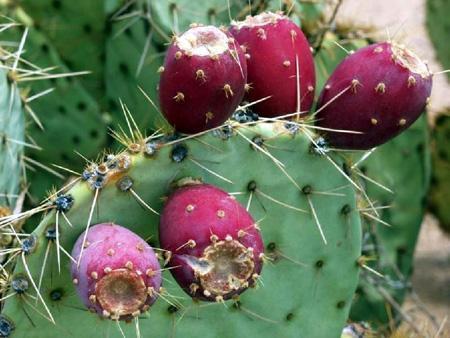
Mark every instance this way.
x=119 y=275
x=379 y=91
x=203 y=79
x=273 y=45
x=216 y=247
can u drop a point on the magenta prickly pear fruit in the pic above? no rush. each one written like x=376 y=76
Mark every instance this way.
x=118 y=275
x=203 y=79
x=279 y=63
x=216 y=247
x=379 y=91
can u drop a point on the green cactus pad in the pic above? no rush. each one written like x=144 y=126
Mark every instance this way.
x=402 y=165
x=61 y=112
x=76 y=29
x=440 y=190
x=311 y=15
x=12 y=138
x=306 y=286
x=132 y=61
x=439 y=29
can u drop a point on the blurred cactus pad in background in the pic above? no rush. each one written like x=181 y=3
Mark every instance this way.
x=218 y=168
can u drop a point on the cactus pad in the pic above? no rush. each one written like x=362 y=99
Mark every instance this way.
x=392 y=244
x=440 y=190
x=12 y=138
x=76 y=30
x=439 y=27
x=304 y=280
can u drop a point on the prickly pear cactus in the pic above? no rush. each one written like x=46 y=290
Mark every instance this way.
x=438 y=28
x=12 y=140
x=440 y=192
x=390 y=237
x=304 y=205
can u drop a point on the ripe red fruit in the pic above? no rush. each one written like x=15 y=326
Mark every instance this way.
x=379 y=90
x=203 y=79
x=119 y=275
x=216 y=247
x=273 y=45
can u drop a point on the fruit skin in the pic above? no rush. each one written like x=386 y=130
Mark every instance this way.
x=199 y=92
x=380 y=97
x=110 y=246
x=272 y=49
x=197 y=213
